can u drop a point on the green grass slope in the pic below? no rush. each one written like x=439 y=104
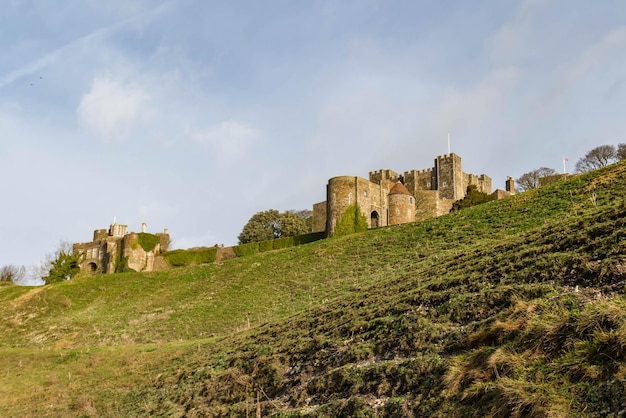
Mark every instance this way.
x=512 y=308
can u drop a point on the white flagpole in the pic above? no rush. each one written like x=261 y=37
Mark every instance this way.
x=564 y=160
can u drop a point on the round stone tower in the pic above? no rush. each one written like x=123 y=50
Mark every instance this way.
x=401 y=205
x=342 y=192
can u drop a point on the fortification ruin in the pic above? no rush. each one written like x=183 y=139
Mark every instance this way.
x=116 y=250
x=388 y=198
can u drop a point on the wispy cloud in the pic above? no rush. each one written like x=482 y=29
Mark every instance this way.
x=91 y=37
x=112 y=109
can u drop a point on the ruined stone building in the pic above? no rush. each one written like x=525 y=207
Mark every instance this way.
x=388 y=198
x=116 y=249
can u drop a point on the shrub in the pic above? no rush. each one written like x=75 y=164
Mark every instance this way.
x=281 y=243
x=266 y=246
x=180 y=258
x=307 y=238
x=243 y=250
x=148 y=241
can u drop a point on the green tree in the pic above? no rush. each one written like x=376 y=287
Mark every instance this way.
x=352 y=220
x=472 y=198
x=62 y=265
x=271 y=224
x=306 y=215
x=292 y=224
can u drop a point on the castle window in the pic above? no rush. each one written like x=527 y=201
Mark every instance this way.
x=410 y=200
x=365 y=193
x=444 y=184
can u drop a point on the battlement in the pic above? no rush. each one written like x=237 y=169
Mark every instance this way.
x=379 y=176
x=100 y=234
x=447 y=156
x=418 y=172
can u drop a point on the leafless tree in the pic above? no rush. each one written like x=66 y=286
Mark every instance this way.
x=530 y=180
x=13 y=274
x=621 y=152
x=597 y=158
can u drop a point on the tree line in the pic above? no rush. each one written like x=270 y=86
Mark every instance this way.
x=596 y=158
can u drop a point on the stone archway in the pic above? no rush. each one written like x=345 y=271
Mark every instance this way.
x=374 y=220
x=92 y=268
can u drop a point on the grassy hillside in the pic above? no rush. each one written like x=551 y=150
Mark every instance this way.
x=512 y=308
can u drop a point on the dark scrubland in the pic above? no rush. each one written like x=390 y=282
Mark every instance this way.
x=511 y=308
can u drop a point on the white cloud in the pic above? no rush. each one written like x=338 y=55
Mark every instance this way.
x=113 y=110
x=229 y=138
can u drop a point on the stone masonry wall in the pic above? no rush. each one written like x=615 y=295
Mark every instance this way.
x=401 y=209
x=450 y=177
x=319 y=217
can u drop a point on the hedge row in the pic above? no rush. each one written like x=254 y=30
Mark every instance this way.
x=276 y=244
x=180 y=258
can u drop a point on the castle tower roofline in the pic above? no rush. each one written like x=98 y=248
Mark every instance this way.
x=447 y=156
x=399 y=188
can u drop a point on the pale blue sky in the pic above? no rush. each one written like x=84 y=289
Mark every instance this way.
x=194 y=115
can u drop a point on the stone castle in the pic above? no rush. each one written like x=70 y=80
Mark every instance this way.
x=116 y=249
x=388 y=198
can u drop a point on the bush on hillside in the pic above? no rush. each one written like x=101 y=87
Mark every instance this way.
x=243 y=250
x=180 y=258
x=472 y=198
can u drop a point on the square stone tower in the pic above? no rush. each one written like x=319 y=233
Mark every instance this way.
x=449 y=176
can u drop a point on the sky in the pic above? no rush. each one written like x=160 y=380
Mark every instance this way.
x=193 y=115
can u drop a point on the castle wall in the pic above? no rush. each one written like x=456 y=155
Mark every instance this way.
x=444 y=206
x=345 y=191
x=483 y=183
x=319 y=217
x=136 y=258
x=426 y=204
x=415 y=180
x=92 y=254
x=113 y=254
x=375 y=208
x=164 y=241
x=381 y=176
x=500 y=194
x=100 y=234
